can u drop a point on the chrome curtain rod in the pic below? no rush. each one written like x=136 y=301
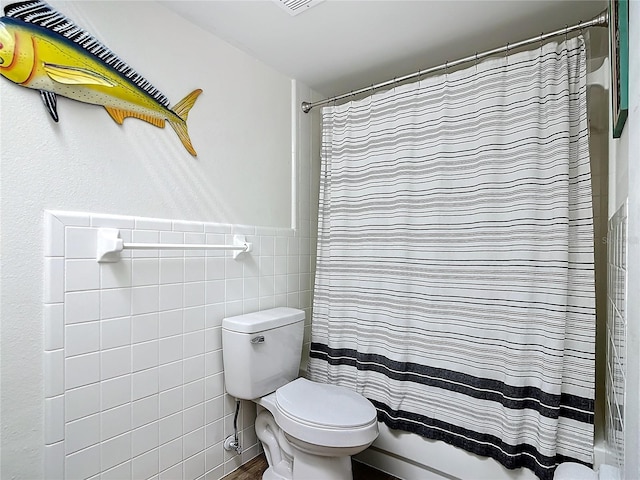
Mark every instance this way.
x=601 y=20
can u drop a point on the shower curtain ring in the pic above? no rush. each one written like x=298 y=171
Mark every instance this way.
x=476 y=63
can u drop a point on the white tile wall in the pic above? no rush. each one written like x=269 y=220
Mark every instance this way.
x=134 y=383
x=616 y=334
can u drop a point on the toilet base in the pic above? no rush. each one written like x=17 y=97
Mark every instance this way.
x=328 y=468
x=306 y=466
x=270 y=474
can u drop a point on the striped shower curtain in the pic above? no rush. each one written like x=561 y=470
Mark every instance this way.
x=455 y=283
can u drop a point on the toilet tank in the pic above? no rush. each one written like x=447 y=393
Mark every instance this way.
x=261 y=351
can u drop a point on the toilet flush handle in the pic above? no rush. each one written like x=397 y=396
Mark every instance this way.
x=258 y=339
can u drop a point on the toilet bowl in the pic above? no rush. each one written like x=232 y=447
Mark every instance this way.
x=323 y=414
x=318 y=426
x=308 y=430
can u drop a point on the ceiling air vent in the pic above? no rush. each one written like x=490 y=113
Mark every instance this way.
x=296 y=7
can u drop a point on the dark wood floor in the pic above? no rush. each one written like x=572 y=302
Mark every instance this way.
x=254 y=469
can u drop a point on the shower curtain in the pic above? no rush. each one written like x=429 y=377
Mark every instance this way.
x=454 y=282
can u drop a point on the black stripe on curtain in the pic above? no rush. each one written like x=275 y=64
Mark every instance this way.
x=511 y=456
x=546 y=404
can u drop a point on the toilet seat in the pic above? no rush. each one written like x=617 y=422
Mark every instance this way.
x=327 y=415
x=320 y=404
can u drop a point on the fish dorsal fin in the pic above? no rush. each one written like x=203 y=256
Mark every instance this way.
x=42 y=14
x=75 y=76
x=119 y=115
x=50 y=101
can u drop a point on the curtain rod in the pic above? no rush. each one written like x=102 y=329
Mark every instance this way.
x=601 y=20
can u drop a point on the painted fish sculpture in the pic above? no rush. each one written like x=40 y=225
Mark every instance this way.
x=42 y=49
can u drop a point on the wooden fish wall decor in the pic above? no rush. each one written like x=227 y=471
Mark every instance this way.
x=42 y=49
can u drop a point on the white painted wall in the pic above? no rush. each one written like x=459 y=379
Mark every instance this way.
x=618 y=170
x=240 y=126
x=632 y=130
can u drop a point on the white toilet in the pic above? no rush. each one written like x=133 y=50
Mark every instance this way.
x=308 y=430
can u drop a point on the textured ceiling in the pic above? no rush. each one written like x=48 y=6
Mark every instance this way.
x=339 y=45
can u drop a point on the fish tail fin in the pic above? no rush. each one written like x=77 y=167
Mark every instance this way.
x=181 y=129
x=183 y=106
x=181 y=109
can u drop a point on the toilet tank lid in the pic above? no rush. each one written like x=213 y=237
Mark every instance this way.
x=263 y=320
